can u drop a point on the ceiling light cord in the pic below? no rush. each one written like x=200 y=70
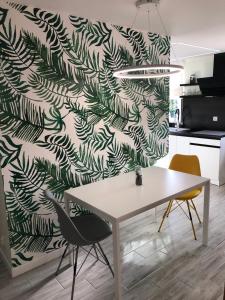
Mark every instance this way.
x=135 y=18
x=165 y=31
x=148 y=70
x=149 y=21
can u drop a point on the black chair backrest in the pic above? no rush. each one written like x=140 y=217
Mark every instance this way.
x=67 y=227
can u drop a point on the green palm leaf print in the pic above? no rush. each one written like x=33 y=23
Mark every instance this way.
x=161 y=43
x=11 y=85
x=49 y=90
x=57 y=179
x=22 y=119
x=65 y=120
x=19 y=258
x=9 y=151
x=52 y=25
x=96 y=34
x=137 y=42
x=26 y=176
x=13 y=48
x=32 y=235
x=102 y=106
x=21 y=203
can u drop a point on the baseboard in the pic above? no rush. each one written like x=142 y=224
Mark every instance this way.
x=215 y=182
x=6 y=262
x=45 y=258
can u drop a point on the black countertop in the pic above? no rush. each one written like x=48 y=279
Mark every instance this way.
x=204 y=134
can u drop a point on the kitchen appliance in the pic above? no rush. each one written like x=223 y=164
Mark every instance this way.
x=214 y=86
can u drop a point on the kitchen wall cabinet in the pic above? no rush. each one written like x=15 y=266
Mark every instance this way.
x=211 y=154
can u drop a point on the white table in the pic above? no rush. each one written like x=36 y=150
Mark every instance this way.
x=118 y=198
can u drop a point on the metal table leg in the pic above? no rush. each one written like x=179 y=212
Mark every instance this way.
x=117 y=261
x=206 y=213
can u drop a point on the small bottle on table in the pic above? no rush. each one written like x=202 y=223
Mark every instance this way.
x=138 y=175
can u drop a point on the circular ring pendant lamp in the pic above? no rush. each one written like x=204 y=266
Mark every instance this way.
x=148 y=70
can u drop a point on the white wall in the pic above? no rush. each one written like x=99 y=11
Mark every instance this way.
x=176 y=90
x=175 y=81
x=5 y=252
x=201 y=66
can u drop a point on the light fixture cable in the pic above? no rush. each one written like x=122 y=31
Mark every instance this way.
x=135 y=18
x=131 y=72
x=165 y=31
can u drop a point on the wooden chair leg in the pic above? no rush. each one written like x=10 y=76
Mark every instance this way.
x=164 y=216
x=194 y=207
x=189 y=211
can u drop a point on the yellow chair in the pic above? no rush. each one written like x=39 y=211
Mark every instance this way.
x=187 y=164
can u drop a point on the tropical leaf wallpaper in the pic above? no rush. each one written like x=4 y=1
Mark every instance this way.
x=65 y=120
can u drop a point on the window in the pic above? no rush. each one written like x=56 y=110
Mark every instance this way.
x=175 y=103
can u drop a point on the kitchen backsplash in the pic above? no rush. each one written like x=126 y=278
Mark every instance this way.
x=202 y=113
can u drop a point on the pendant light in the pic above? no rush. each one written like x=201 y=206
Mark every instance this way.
x=148 y=70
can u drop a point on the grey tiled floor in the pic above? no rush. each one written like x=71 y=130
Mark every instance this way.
x=168 y=265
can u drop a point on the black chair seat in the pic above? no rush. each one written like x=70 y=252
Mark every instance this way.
x=85 y=230
x=92 y=228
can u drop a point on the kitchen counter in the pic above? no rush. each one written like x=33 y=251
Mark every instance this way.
x=206 y=134
x=208 y=145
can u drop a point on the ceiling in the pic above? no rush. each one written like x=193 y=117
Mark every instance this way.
x=197 y=27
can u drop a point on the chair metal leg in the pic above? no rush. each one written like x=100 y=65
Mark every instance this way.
x=105 y=258
x=170 y=207
x=164 y=216
x=189 y=211
x=64 y=253
x=74 y=272
x=85 y=259
x=73 y=255
x=194 y=207
x=180 y=206
x=94 y=246
x=224 y=293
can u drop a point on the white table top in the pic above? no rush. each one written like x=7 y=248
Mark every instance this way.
x=118 y=198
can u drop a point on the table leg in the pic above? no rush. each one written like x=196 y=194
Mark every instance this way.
x=206 y=213
x=117 y=261
x=156 y=214
x=67 y=209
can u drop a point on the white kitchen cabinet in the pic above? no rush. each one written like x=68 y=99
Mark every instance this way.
x=172 y=144
x=176 y=145
x=211 y=154
x=182 y=145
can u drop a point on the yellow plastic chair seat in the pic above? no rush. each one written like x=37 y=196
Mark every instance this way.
x=189 y=195
x=187 y=164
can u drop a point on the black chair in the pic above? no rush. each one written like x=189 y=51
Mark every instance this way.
x=79 y=231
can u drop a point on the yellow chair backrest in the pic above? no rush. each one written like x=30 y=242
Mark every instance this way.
x=185 y=163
